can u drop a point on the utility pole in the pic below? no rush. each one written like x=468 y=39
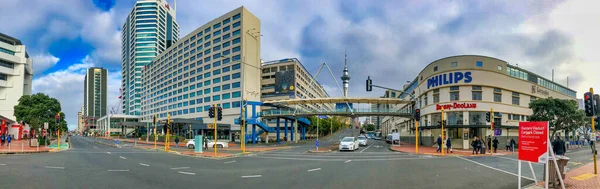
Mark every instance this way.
x=491 y=128
x=442 y=124
x=215 y=134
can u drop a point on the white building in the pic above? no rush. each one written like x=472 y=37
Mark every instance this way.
x=16 y=72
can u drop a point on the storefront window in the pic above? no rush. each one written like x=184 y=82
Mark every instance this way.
x=435 y=118
x=455 y=118
x=477 y=118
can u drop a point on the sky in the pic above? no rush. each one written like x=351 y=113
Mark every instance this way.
x=389 y=40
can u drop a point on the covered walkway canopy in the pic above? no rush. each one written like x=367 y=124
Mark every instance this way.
x=339 y=100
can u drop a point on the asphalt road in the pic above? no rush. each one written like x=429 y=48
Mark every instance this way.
x=91 y=165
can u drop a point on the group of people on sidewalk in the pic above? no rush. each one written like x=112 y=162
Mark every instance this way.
x=6 y=139
x=448 y=144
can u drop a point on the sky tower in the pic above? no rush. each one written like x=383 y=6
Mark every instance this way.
x=345 y=77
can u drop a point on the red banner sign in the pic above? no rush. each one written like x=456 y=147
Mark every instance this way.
x=533 y=141
x=456 y=106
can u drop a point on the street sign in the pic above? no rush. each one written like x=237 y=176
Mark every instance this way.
x=45 y=125
x=533 y=141
x=592 y=136
x=322 y=116
x=497 y=132
x=118 y=142
x=210 y=125
x=317 y=143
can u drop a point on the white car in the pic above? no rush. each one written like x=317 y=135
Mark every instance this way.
x=348 y=143
x=362 y=140
x=211 y=143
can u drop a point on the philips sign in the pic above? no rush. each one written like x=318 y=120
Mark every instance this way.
x=449 y=78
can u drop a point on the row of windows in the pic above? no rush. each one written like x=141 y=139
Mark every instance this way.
x=226 y=105
x=476 y=94
x=6 y=64
x=7 y=51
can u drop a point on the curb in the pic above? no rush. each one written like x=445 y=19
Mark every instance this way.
x=317 y=152
x=25 y=152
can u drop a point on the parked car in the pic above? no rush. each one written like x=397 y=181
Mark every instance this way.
x=348 y=143
x=362 y=140
x=211 y=143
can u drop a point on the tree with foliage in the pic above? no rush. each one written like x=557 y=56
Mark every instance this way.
x=40 y=108
x=560 y=113
x=326 y=125
x=370 y=127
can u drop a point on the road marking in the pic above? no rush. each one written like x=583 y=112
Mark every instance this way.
x=229 y=162
x=119 y=170
x=51 y=167
x=187 y=173
x=122 y=157
x=175 y=168
x=583 y=176
x=494 y=168
x=2 y=164
x=95 y=147
x=366 y=148
x=329 y=159
x=142 y=164
x=251 y=176
x=311 y=170
x=348 y=161
x=108 y=152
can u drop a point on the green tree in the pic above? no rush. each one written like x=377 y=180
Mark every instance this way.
x=370 y=127
x=561 y=114
x=39 y=108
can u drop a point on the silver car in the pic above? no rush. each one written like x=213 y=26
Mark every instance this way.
x=362 y=140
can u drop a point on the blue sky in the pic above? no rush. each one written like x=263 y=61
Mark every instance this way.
x=383 y=37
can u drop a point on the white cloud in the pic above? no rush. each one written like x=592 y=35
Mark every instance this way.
x=67 y=86
x=41 y=62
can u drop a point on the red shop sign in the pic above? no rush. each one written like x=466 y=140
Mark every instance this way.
x=456 y=106
x=533 y=141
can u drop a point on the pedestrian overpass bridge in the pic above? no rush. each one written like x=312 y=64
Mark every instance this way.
x=291 y=113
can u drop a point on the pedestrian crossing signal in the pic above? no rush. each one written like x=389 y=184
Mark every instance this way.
x=487 y=116
x=219 y=113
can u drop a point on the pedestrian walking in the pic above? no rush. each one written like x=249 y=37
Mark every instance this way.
x=449 y=145
x=205 y=143
x=512 y=144
x=3 y=139
x=558 y=146
x=495 y=144
x=439 y=143
x=507 y=144
x=489 y=143
x=8 y=139
x=176 y=142
x=474 y=145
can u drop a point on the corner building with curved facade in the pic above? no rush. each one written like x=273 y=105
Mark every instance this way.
x=467 y=87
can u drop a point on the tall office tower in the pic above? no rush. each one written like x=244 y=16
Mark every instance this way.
x=149 y=29
x=217 y=63
x=16 y=72
x=94 y=96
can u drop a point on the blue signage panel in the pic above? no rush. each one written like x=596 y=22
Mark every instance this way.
x=342 y=105
x=449 y=78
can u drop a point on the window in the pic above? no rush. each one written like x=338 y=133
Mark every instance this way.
x=207 y=74
x=206 y=99
x=226 y=36
x=237 y=24
x=425 y=101
x=515 y=100
x=207 y=83
x=226 y=86
x=477 y=118
x=476 y=95
x=217 y=25
x=479 y=64
x=226 y=44
x=235 y=75
x=436 y=95
x=454 y=88
x=499 y=67
x=237 y=16
x=236 y=32
x=216 y=72
x=226 y=96
x=226 y=21
x=236 y=94
x=516 y=117
x=235 y=41
x=216 y=80
x=236 y=49
x=235 y=85
x=454 y=96
x=497 y=97
x=435 y=68
x=455 y=118
x=226 y=78
x=226 y=28
x=217 y=63
x=454 y=64
x=216 y=97
x=236 y=67
x=235 y=104
x=226 y=105
x=236 y=57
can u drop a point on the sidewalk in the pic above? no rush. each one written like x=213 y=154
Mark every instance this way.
x=410 y=148
x=582 y=177
x=22 y=146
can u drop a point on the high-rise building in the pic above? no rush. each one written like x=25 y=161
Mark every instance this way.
x=94 y=96
x=80 y=123
x=16 y=72
x=148 y=31
x=218 y=63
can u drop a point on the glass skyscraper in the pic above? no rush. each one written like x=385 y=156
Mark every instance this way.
x=149 y=29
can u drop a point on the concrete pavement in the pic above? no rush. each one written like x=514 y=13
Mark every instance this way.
x=91 y=165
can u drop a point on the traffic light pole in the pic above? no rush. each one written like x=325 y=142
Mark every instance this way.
x=491 y=128
x=442 y=124
x=154 y=131
x=215 y=134
x=243 y=124
x=594 y=130
x=417 y=137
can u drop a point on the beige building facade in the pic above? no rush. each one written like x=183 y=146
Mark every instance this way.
x=218 y=63
x=16 y=73
x=467 y=87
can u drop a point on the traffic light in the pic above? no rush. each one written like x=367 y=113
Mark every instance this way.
x=597 y=120
x=418 y=114
x=242 y=122
x=597 y=101
x=588 y=101
x=440 y=122
x=369 y=84
x=211 y=112
x=487 y=116
x=219 y=113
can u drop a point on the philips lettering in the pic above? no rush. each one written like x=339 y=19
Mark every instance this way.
x=449 y=78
